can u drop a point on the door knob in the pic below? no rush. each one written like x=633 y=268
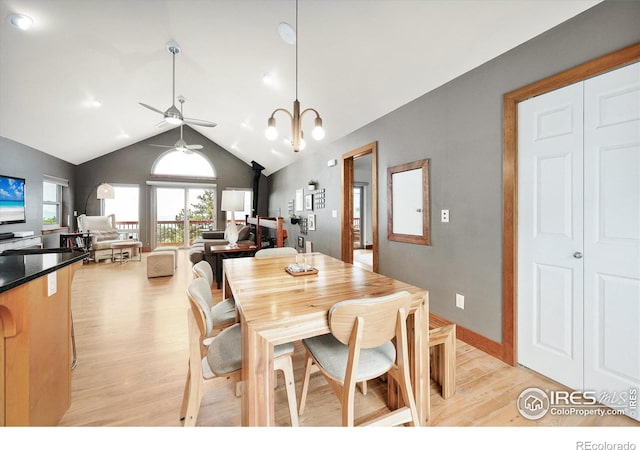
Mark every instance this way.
x=577 y=255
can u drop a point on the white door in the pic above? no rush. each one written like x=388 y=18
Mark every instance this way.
x=550 y=202
x=579 y=236
x=612 y=236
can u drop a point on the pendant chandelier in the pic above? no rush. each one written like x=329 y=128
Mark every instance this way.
x=297 y=136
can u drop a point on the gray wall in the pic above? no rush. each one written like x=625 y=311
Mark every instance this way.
x=459 y=128
x=25 y=162
x=133 y=164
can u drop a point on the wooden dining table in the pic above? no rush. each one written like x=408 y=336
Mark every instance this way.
x=276 y=307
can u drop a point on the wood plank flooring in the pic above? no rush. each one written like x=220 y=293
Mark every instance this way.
x=131 y=335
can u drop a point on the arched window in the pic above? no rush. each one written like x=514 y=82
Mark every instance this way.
x=184 y=164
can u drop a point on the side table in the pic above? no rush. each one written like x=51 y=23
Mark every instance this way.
x=218 y=252
x=131 y=245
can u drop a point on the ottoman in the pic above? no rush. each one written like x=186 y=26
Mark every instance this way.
x=160 y=264
x=169 y=249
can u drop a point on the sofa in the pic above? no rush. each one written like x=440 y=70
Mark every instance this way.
x=219 y=237
x=103 y=232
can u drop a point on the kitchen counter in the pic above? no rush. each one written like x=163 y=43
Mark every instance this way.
x=19 y=269
x=35 y=337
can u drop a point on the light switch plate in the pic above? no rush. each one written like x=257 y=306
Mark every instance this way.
x=460 y=301
x=52 y=283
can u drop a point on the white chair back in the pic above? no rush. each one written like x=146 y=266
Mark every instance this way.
x=273 y=252
x=202 y=269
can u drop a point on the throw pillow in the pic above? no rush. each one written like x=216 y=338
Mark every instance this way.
x=243 y=233
x=106 y=235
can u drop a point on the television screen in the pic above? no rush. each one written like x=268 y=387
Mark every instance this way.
x=12 y=208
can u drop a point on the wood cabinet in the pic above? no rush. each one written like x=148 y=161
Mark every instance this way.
x=35 y=350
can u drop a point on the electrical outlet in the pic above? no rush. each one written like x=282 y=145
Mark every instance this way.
x=444 y=215
x=460 y=301
x=334 y=213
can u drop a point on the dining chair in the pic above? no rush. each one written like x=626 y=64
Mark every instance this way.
x=223 y=312
x=220 y=360
x=276 y=251
x=368 y=338
x=223 y=315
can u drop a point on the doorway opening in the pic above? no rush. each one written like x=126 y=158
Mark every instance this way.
x=359 y=226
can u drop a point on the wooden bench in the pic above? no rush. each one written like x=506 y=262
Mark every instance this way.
x=442 y=346
x=442 y=353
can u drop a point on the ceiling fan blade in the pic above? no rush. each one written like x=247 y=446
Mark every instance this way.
x=160 y=124
x=152 y=108
x=194 y=147
x=199 y=122
x=163 y=146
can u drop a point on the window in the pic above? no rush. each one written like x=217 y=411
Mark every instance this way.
x=192 y=165
x=52 y=201
x=125 y=207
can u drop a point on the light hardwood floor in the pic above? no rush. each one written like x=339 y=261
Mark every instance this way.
x=131 y=335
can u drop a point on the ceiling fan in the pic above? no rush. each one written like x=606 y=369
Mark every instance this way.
x=181 y=145
x=172 y=115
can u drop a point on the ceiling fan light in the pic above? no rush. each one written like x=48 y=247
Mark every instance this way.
x=173 y=120
x=181 y=145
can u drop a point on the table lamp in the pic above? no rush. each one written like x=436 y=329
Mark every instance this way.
x=232 y=201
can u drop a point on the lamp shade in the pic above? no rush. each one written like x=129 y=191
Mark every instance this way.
x=232 y=201
x=105 y=191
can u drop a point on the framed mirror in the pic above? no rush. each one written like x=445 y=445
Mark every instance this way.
x=299 y=200
x=408 y=203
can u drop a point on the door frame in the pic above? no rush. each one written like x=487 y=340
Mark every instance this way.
x=507 y=350
x=346 y=202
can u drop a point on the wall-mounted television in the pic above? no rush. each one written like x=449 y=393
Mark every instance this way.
x=12 y=209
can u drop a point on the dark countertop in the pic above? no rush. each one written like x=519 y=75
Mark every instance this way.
x=19 y=269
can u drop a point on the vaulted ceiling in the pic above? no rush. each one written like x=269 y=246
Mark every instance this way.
x=70 y=86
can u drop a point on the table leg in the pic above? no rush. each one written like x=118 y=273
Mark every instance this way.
x=257 y=378
x=218 y=269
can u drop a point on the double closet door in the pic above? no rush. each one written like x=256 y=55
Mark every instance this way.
x=579 y=236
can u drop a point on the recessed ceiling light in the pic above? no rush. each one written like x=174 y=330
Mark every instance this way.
x=287 y=33
x=93 y=103
x=20 y=21
x=267 y=79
